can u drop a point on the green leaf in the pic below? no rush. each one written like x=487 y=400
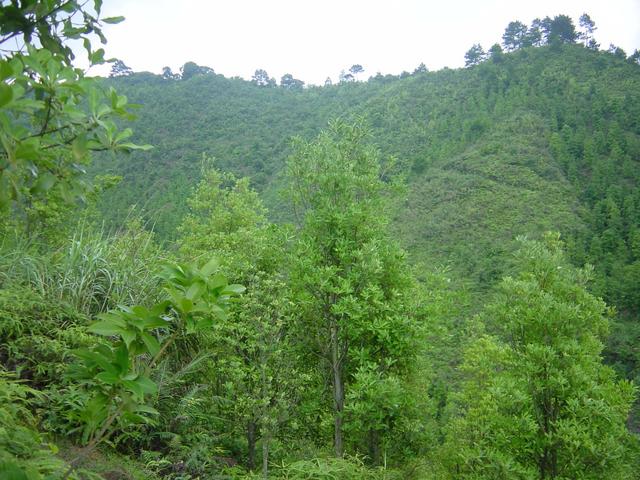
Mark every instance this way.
x=151 y=343
x=147 y=385
x=128 y=337
x=195 y=291
x=203 y=324
x=133 y=146
x=108 y=378
x=79 y=147
x=218 y=281
x=210 y=267
x=44 y=183
x=100 y=356
x=97 y=57
x=153 y=322
x=160 y=308
x=113 y=20
x=234 y=289
x=135 y=419
x=6 y=94
x=6 y=70
x=185 y=305
x=29 y=150
x=218 y=311
x=109 y=326
x=146 y=409
x=133 y=387
x=126 y=133
x=122 y=359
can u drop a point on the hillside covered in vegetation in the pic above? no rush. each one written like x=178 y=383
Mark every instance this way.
x=541 y=138
x=434 y=275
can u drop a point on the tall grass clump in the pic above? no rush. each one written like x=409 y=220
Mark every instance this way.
x=92 y=271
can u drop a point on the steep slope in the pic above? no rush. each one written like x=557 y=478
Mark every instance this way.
x=466 y=210
x=246 y=128
x=542 y=138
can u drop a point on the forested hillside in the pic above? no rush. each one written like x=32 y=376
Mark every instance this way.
x=434 y=275
x=542 y=138
x=514 y=130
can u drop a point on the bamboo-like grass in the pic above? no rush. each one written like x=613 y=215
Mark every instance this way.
x=93 y=271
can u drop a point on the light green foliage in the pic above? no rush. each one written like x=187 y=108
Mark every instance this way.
x=354 y=291
x=251 y=350
x=51 y=116
x=117 y=374
x=331 y=469
x=446 y=306
x=537 y=401
x=91 y=271
x=225 y=215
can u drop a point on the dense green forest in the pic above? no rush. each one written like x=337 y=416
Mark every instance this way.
x=434 y=275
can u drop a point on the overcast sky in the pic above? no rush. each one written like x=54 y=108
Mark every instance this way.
x=314 y=39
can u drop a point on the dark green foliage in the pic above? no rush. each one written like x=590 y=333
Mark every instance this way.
x=560 y=30
x=261 y=79
x=119 y=69
x=287 y=81
x=417 y=119
x=37 y=334
x=24 y=453
x=515 y=36
x=474 y=56
x=189 y=70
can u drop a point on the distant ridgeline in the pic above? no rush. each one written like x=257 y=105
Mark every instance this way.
x=541 y=132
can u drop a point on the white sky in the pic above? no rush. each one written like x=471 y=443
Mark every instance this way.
x=313 y=39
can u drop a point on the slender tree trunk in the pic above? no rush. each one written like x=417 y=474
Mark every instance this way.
x=374 y=446
x=266 y=430
x=266 y=438
x=251 y=442
x=338 y=390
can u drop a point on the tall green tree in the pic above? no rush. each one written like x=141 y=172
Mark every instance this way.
x=422 y=68
x=191 y=69
x=352 y=285
x=588 y=26
x=356 y=70
x=289 y=82
x=120 y=69
x=561 y=30
x=515 y=36
x=474 y=55
x=496 y=54
x=251 y=347
x=261 y=78
x=535 y=33
x=537 y=402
